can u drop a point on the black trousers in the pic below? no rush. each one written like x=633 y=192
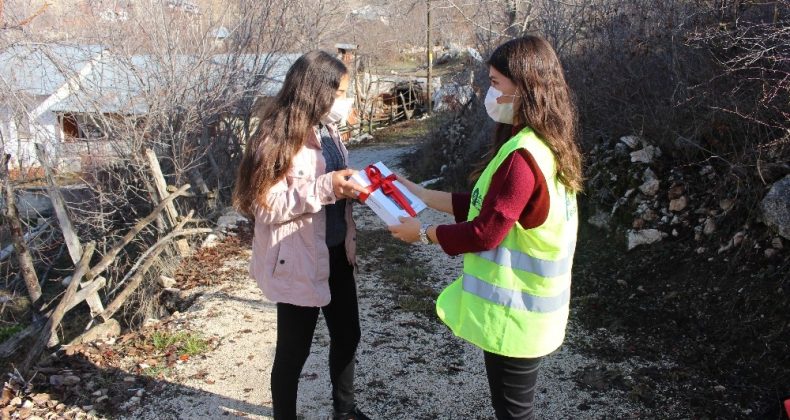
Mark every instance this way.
x=512 y=382
x=295 y=327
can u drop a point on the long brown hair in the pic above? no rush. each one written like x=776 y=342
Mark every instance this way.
x=543 y=102
x=307 y=94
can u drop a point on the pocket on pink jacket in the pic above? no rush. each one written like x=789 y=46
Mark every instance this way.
x=283 y=264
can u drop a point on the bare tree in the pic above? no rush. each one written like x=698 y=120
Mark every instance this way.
x=182 y=82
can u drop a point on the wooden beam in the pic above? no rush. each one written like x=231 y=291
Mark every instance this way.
x=161 y=187
x=50 y=329
x=87 y=289
x=71 y=238
x=69 y=235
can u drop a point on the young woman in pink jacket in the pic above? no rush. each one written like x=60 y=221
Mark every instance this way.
x=293 y=182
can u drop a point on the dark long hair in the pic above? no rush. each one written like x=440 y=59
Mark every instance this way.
x=307 y=94
x=544 y=102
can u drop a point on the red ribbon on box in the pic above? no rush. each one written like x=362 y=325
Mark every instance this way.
x=385 y=183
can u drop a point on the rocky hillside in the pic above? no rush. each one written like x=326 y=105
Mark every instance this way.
x=633 y=189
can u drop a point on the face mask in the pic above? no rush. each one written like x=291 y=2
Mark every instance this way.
x=339 y=111
x=502 y=113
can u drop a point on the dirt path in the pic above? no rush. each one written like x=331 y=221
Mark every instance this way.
x=409 y=365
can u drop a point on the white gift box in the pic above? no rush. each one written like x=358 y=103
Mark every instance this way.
x=385 y=207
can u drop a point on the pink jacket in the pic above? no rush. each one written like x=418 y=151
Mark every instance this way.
x=290 y=259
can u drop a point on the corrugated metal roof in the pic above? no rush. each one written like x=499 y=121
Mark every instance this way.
x=120 y=85
x=39 y=69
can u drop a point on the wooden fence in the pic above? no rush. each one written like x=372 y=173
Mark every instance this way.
x=86 y=281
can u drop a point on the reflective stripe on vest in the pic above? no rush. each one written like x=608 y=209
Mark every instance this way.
x=515 y=299
x=520 y=261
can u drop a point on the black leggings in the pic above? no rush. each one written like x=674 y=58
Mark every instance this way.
x=512 y=382
x=295 y=327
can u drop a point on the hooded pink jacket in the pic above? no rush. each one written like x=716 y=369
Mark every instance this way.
x=290 y=259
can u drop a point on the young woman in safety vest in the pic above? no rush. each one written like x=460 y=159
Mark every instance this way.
x=292 y=182
x=517 y=229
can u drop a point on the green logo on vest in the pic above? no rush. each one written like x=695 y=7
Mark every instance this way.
x=570 y=206
x=476 y=202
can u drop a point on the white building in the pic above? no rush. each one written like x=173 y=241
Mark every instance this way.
x=52 y=93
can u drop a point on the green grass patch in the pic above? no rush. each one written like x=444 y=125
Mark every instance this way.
x=7 y=332
x=184 y=342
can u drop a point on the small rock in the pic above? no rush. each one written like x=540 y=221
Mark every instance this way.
x=643 y=237
x=41 y=398
x=140 y=392
x=211 y=241
x=727 y=204
x=726 y=247
x=719 y=388
x=622 y=282
x=134 y=400
x=631 y=141
x=87 y=407
x=675 y=232
x=645 y=155
x=738 y=238
x=129 y=379
x=770 y=252
x=28 y=404
x=676 y=190
x=776 y=207
x=649 y=175
x=701 y=250
x=650 y=187
x=102 y=399
x=15 y=402
x=709 y=228
x=56 y=380
x=167 y=282
x=71 y=380
x=600 y=219
x=678 y=204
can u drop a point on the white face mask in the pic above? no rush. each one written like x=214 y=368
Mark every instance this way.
x=339 y=112
x=502 y=113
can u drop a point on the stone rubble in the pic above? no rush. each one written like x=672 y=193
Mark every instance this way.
x=651 y=202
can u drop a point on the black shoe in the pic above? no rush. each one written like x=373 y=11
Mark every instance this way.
x=354 y=414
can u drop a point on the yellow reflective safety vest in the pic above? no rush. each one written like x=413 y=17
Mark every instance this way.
x=513 y=300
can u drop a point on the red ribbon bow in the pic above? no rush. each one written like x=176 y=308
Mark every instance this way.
x=387 y=187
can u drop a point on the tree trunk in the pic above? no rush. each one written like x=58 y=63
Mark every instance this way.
x=26 y=267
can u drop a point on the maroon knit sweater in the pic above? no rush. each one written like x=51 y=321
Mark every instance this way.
x=517 y=193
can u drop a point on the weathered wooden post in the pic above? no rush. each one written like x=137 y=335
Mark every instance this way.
x=69 y=235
